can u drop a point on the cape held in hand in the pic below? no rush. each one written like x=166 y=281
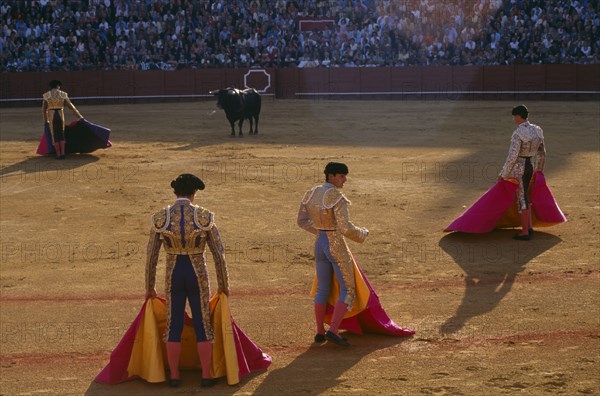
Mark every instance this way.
x=497 y=208
x=80 y=137
x=141 y=353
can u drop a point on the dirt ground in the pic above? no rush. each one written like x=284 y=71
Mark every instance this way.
x=492 y=315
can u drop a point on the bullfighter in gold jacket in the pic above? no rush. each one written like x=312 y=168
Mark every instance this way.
x=53 y=102
x=324 y=212
x=184 y=229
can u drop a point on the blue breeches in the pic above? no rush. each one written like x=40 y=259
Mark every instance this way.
x=326 y=267
x=184 y=285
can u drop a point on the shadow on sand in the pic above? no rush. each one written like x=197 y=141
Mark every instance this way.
x=491 y=263
x=313 y=371
x=190 y=385
x=319 y=368
x=46 y=167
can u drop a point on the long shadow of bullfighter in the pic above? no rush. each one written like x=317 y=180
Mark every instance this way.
x=240 y=105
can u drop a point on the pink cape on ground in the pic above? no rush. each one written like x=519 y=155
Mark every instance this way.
x=141 y=351
x=497 y=208
x=367 y=315
x=373 y=319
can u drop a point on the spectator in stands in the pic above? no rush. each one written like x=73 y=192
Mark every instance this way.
x=115 y=34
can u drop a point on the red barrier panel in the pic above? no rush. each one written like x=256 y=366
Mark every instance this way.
x=530 y=78
x=343 y=80
x=116 y=83
x=561 y=78
x=588 y=77
x=467 y=78
x=148 y=83
x=313 y=81
x=183 y=82
x=287 y=83
x=497 y=80
x=234 y=78
x=262 y=80
x=510 y=82
x=406 y=80
x=436 y=79
x=375 y=79
x=27 y=85
x=207 y=80
x=90 y=82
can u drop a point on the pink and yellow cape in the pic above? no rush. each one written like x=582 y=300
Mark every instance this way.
x=497 y=208
x=141 y=353
x=366 y=314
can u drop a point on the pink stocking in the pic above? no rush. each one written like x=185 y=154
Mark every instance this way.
x=205 y=354
x=338 y=314
x=173 y=352
x=525 y=216
x=57 y=149
x=320 y=310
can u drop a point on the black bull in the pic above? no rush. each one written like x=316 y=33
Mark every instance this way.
x=240 y=105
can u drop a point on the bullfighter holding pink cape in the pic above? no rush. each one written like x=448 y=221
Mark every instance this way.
x=210 y=339
x=521 y=177
x=343 y=296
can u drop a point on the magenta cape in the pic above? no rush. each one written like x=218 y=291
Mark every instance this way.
x=497 y=208
x=366 y=314
x=141 y=353
x=80 y=137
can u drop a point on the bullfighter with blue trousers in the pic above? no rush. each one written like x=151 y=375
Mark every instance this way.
x=343 y=295
x=324 y=212
x=185 y=229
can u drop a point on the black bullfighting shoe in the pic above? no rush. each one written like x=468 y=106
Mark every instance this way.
x=336 y=339
x=174 y=383
x=525 y=237
x=209 y=382
x=320 y=337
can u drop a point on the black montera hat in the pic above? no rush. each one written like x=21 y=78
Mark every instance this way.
x=186 y=182
x=520 y=110
x=334 y=168
x=55 y=84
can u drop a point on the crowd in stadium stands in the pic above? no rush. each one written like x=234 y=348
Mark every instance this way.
x=49 y=35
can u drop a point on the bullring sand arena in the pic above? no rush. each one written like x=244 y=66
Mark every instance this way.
x=493 y=315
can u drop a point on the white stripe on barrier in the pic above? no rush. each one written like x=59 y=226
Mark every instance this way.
x=443 y=92
x=321 y=94
x=119 y=97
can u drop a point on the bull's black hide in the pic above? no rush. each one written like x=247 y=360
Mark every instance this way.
x=240 y=105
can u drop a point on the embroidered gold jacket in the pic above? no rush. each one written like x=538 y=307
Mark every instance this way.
x=55 y=99
x=184 y=228
x=324 y=207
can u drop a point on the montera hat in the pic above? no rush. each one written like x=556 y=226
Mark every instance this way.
x=187 y=182
x=55 y=84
